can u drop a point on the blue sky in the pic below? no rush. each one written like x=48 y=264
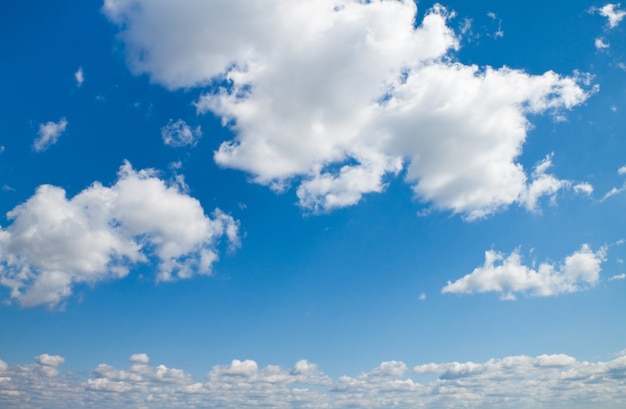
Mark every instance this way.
x=312 y=204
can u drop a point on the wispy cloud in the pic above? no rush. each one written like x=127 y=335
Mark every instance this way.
x=612 y=12
x=178 y=134
x=49 y=134
x=79 y=76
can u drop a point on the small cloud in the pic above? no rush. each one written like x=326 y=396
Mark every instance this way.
x=178 y=134
x=422 y=297
x=612 y=192
x=49 y=134
x=499 y=32
x=600 y=44
x=618 y=277
x=584 y=188
x=79 y=76
x=613 y=108
x=611 y=12
x=139 y=359
x=621 y=170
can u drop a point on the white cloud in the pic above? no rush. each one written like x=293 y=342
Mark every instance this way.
x=54 y=243
x=339 y=96
x=600 y=44
x=583 y=188
x=507 y=275
x=139 y=359
x=49 y=134
x=612 y=13
x=543 y=184
x=79 y=76
x=618 y=277
x=179 y=134
x=545 y=381
x=622 y=170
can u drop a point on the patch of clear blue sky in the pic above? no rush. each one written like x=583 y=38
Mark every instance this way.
x=341 y=290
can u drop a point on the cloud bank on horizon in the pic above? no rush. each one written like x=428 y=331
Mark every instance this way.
x=339 y=96
x=544 y=381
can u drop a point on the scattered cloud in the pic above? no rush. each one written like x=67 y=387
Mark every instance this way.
x=79 y=76
x=612 y=13
x=422 y=297
x=49 y=134
x=622 y=170
x=54 y=243
x=519 y=381
x=499 y=32
x=618 y=277
x=600 y=44
x=507 y=275
x=339 y=97
x=178 y=134
x=583 y=188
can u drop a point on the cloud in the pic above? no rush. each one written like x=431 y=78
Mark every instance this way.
x=54 y=243
x=600 y=44
x=507 y=275
x=178 y=134
x=338 y=97
x=612 y=13
x=621 y=170
x=618 y=277
x=544 y=381
x=49 y=134
x=79 y=76
x=583 y=188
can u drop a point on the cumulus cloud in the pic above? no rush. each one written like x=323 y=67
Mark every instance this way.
x=612 y=12
x=49 y=134
x=508 y=276
x=339 y=97
x=179 y=134
x=54 y=243
x=618 y=277
x=519 y=381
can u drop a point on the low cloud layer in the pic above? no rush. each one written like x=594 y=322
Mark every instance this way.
x=508 y=276
x=545 y=381
x=54 y=243
x=338 y=97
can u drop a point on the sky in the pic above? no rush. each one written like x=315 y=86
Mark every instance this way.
x=313 y=204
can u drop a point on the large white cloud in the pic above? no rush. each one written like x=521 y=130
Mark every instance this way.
x=339 y=95
x=54 y=242
x=507 y=275
x=545 y=381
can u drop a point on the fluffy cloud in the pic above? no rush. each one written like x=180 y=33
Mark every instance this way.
x=49 y=134
x=507 y=275
x=179 y=134
x=520 y=381
x=54 y=243
x=612 y=12
x=340 y=96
